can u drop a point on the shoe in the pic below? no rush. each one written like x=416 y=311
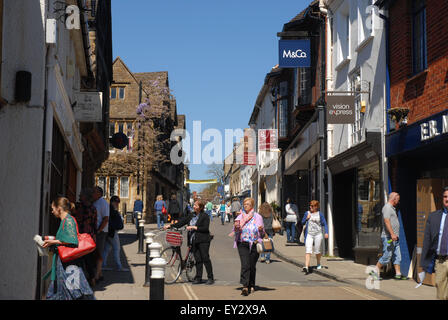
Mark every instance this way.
x=374 y=275
x=319 y=267
x=268 y=261
x=122 y=270
x=400 y=277
x=245 y=292
x=197 y=281
x=306 y=270
x=263 y=259
x=210 y=281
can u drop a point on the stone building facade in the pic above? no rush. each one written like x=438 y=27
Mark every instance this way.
x=142 y=169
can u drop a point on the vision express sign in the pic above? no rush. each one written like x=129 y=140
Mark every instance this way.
x=340 y=109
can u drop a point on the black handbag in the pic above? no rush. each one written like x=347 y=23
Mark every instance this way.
x=115 y=220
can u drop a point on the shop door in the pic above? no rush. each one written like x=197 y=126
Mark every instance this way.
x=343 y=204
x=429 y=199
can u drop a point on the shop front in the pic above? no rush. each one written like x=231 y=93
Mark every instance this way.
x=418 y=171
x=357 y=202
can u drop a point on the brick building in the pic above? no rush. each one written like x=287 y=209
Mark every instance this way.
x=417 y=142
x=141 y=170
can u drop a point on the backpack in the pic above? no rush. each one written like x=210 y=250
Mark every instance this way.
x=115 y=220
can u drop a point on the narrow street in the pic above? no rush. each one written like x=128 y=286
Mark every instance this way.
x=279 y=280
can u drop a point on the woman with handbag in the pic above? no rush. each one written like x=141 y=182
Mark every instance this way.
x=113 y=240
x=314 y=221
x=248 y=230
x=266 y=212
x=61 y=286
x=160 y=207
x=199 y=238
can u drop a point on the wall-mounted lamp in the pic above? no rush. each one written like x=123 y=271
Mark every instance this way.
x=363 y=107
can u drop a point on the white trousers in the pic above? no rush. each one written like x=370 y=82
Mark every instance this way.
x=313 y=242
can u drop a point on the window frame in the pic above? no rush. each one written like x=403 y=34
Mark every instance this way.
x=121 y=187
x=422 y=63
x=121 y=90
x=113 y=89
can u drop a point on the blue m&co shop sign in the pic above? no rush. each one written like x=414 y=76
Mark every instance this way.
x=294 y=53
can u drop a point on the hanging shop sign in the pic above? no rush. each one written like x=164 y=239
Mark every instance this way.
x=340 y=108
x=294 y=53
x=119 y=140
x=250 y=149
x=88 y=107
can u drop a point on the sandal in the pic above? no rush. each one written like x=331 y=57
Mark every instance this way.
x=245 y=292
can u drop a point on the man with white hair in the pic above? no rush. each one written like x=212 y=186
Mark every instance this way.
x=389 y=237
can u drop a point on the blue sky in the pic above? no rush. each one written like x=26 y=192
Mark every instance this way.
x=217 y=53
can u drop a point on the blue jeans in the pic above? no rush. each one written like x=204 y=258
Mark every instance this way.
x=160 y=219
x=290 y=231
x=391 y=251
x=266 y=255
x=113 y=243
x=209 y=212
x=223 y=217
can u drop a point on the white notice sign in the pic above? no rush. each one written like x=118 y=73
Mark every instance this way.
x=89 y=107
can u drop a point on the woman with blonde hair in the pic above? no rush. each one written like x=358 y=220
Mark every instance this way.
x=266 y=212
x=248 y=229
x=158 y=206
x=314 y=221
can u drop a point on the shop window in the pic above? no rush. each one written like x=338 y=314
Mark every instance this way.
x=419 y=59
x=305 y=86
x=124 y=187
x=368 y=217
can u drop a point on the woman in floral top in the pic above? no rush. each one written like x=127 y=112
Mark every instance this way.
x=248 y=229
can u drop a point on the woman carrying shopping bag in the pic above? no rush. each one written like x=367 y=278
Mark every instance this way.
x=314 y=221
x=62 y=287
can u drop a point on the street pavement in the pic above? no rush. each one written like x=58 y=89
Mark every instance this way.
x=280 y=280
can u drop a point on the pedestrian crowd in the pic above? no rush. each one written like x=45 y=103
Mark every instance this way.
x=252 y=233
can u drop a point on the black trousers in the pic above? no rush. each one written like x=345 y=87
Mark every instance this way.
x=201 y=256
x=249 y=257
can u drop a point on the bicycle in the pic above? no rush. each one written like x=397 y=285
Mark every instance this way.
x=173 y=257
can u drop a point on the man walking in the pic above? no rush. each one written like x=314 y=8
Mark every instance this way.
x=102 y=209
x=435 y=247
x=235 y=208
x=138 y=207
x=209 y=208
x=389 y=237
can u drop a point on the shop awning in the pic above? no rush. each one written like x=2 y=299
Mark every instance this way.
x=358 y=155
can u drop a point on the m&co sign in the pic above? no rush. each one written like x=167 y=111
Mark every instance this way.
x=294 y=53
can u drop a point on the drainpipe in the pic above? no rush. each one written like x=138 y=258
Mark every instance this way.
x=323 y=6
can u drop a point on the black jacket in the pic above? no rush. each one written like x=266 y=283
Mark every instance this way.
x=173 y=207
x=431 y=239
x=203 y=223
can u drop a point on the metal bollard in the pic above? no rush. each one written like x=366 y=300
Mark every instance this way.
x=141 y=227
x=149 y=241
x=157 y=285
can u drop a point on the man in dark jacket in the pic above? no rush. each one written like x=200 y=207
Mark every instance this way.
x=174 y=208
x=435 y=247
x=199 y=237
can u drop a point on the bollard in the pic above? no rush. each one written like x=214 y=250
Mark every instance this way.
x=141 y=225
x=138 y=218
x=157 y=284
x=149 y=240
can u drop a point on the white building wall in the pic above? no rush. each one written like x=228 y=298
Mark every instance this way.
x=20 y=160
x=365 y=51
x=22 y=128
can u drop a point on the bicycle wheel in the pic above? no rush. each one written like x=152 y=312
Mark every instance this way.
x=190 y=267
x=173 y=264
